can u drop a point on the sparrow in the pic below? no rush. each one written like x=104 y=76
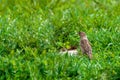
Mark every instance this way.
x=85 y=45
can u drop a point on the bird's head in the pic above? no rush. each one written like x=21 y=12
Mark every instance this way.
x=82 y=34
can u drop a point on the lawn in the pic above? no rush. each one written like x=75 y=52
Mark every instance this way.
x=32 y=32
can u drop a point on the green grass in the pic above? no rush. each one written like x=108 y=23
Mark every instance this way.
x=33 y=31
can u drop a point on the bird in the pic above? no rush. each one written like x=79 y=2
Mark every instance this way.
x=85 y=45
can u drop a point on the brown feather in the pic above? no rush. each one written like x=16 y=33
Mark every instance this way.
x=85 y=45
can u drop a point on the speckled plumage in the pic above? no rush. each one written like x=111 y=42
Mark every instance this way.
x=85 y=45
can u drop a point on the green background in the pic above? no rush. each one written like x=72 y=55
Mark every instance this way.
x=32 y=32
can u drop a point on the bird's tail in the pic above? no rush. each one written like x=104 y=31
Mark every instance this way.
x=90 y=56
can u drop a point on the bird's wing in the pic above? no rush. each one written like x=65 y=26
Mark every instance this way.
x=85 y=45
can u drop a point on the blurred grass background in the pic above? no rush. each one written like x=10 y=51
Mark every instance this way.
x=33 y=31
